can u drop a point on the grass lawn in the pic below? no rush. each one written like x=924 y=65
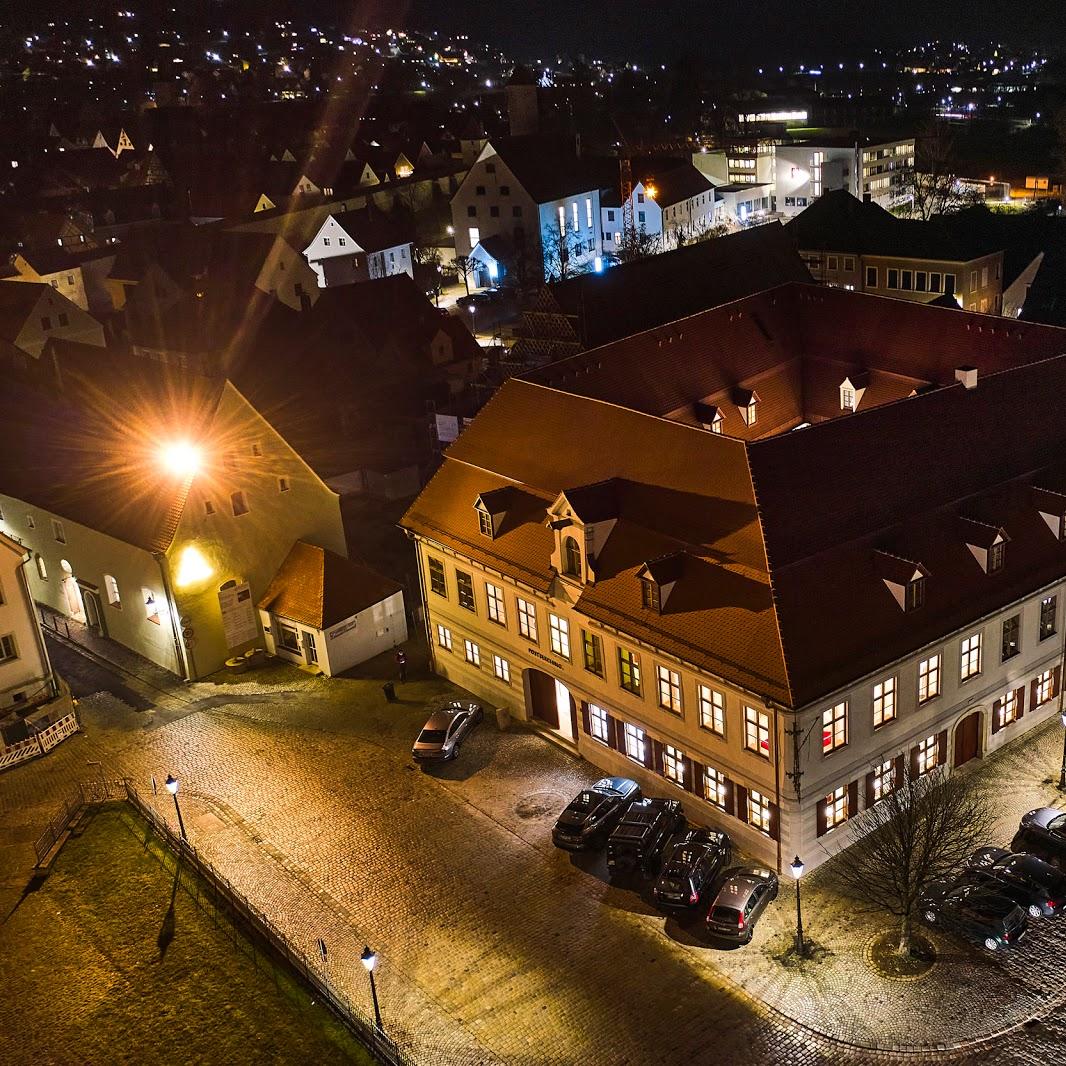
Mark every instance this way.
x=85 y=979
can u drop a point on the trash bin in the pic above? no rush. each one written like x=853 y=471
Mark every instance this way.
x=390 y=691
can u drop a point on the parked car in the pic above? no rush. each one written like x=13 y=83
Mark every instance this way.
x=691 y=867
x=1030 y=882
x=443 y=735
x=1043 y=833
x=592 y=814
x=638 y=840
x=745 y=893
x=479 y=300
x=972 y=909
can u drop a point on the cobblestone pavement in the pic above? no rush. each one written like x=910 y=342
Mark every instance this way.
x=494 y=946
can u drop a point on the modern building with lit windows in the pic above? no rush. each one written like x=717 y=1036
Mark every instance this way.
x=157 y=504
x=764 y=558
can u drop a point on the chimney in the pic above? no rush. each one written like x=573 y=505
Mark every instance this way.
x=967 y=375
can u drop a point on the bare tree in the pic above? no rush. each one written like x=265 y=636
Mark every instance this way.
x=562 y=252
x=697 y=232
x=465 y=269
x=933 y=181
x=921 y=830
x=428 y=271
x=636 y=244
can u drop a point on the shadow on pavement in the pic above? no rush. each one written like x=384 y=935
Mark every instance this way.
x=474 y=755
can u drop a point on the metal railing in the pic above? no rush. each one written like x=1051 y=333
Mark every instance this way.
x=218 y=897
x=95 y=791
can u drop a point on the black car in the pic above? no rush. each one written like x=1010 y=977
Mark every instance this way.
x=1043 y=833
x=593 y=813
x=637 y=842
x=973 y=910
x=745 y=893
x=691 y=867
x=1029 y=881
x=479 y=300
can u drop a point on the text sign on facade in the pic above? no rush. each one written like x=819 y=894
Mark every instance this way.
x=238 y=615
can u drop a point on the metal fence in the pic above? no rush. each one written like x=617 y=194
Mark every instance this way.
x=216 y=895
x=73 y=804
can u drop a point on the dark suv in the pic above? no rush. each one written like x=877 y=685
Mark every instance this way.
x=1043 y=833
x=973 y=910
x=691 y=867
x=1032 y=883
x=593 y=813
x=639 y=839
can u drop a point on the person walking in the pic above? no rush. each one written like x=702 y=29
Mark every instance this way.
x=401 y=663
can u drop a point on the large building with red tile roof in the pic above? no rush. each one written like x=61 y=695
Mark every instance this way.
x=767 y=557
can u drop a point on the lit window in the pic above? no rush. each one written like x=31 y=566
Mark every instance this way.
x=484 y=521
x=1006 y=709
x=473 y=652
x=502 y=669
x=1047 y=617
x=915 y=596
x=494 y=596
x=847 y=399
x=834 y=727
x=650 y=595
x=629 y=670
x=757 y=731
x=716 y=423
x=444 y=637
x=111 y=588
x=970 y=657
x=884 y=701
x=437 y=583
x=151 y=609
x=929 y=678
x=1044 y=688
x=882 y=781
x=562 y=220
x=712 y=709
x=238 y=503
x=8 y=648
x=593 y=652
x=758 y=811
x=559 y=635
x=598 y=722
x=527 y=619
x=715 y=786
x=996 y=556
x=674 y=765
x=836 y=807
x=635 y=743
x=669 y=688
x=751 y=413
x=465 y=584
x=588 y=212
x=928 y=754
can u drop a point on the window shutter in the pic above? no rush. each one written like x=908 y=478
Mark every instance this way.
x=1020 y=692
x=853 y=798
x=691 y=781
x=1056 y=675
x=740 y=802
x=586 y=719
x=897 y=781
x=653 y=754
x=942 y=747
x=1032 y=693
x=614 y=733
x=868 y=790
x=820 y=818
x=775 y=822
x=730 y=796
x=914 y=761
x=996 y=708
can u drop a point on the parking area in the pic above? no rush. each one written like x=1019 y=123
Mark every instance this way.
x=496 y=946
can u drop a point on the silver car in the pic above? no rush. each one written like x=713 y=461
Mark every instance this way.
x=746 y=892
x=443 y=735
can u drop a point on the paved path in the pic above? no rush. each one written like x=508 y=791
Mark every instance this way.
x=495 y=947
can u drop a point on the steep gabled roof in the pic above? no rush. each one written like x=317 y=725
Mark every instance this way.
x=549 y=169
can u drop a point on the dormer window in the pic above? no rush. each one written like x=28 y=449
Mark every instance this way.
x=484 y=522
x=748 y=403
x=915 y=594
x=571 y=557
x=650 y=596
x=852 y=389
x=996 y=556
x=716 y=422
x=709 y=416
x=847 y=399
x=658 y=578
x=751 y=412
x=987 y=544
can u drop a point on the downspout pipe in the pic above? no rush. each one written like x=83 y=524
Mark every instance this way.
x=175 y=622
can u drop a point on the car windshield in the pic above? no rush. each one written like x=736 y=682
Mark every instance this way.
x=726 y=914
x=432 y=736
x=1058 y=825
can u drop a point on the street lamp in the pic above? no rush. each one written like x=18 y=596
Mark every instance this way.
x=172 y=787
x=1062 y=772
x=370 y=960
x=797 y=868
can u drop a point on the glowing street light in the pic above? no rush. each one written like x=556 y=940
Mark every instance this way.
x=797 y=868
x=172 y=787
x=181 y=458
x=370 y=960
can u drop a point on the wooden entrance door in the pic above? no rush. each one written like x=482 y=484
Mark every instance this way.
x=542 y=698
x=968 y=738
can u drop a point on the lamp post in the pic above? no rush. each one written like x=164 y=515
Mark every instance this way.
x=1062 y=772
x=797 y=868
x=172 y=788
x=473 y=322
x=370 y=960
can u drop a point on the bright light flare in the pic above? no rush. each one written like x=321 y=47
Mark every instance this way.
x=181 y=458
x=192 y=568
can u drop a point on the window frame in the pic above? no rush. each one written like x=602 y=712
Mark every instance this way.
x=758 y=802
x=501 y=668
x=714 y=779
x=464 y=585
x=1044 y=688
x=436 y=570
x=1015 y=621
x=635 y=739
x=887 y=711
x=926 y=747
x=559 y=635
x=835 y=727
x=877 y=781
x=669 y=689
x=711 y=703
x=472 y=652
x=527 y=619
x=1048 y=618
x=599 y=723
x=444 y=637
x=592 y=642
x=495 y=605
x=836 y=808
x=9 y=649
x=932 y=667
x=970 y=654
x=629 y=676
x=1007 y=708
x=756 y=731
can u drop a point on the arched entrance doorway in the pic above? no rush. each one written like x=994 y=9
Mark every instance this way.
x=94 y=615
x=549 y=702
x=968 y=738
x=71 y=593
